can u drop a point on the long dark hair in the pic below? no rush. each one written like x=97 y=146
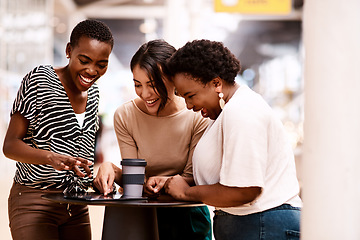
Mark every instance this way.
x=152 y=57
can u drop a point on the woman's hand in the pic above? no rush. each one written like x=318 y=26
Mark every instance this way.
x=176 y=186
x=154 y=185
x=63 y=162
x=216 y=194
x=105 y=178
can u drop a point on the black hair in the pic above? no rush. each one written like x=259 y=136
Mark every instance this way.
x=205 y=60
x=93 y=29
x=152 y=57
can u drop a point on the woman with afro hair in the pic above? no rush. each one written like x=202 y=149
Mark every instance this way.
x=243 y=164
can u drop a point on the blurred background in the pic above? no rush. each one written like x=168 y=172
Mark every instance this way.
x=268 y=44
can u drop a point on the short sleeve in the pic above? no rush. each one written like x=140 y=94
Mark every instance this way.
x=244 y=148
x=199 y=126
x=25 y=101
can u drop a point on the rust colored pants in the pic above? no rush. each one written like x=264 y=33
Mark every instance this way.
x=32 y=217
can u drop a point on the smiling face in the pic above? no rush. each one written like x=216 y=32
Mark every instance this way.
x=145 y=90
x=88 y=62
x=198 y=96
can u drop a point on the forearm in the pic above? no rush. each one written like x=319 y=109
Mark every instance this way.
x=222 y=196
x=15 y=148
x=19 y=151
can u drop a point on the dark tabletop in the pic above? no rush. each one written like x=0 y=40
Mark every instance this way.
x=119 y=200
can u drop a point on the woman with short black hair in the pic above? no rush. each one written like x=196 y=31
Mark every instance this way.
x=51 y=135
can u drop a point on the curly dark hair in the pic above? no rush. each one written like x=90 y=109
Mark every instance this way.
x=205 y=60
x=152 y=57
x=94 y=29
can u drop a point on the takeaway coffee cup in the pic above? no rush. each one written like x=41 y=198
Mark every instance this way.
x=133 y=175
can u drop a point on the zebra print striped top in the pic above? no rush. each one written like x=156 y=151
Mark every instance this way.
x=53 y=126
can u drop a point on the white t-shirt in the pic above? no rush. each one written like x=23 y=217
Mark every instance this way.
x=248 y=146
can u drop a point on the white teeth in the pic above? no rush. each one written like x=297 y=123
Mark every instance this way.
x=87 y=80
x=150 y=102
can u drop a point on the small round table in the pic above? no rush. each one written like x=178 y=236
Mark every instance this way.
x=127 y=219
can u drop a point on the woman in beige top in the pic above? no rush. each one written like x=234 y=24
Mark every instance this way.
x=157 y=127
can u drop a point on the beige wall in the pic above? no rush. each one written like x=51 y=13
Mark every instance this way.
x=331 y=157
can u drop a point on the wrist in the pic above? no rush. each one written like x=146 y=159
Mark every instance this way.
x=48 y=157
x=118 y=174
x=189 y=195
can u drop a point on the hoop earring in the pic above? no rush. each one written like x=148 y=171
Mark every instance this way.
x=221 y=100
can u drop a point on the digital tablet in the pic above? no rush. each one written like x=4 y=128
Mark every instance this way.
x=92 y=196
